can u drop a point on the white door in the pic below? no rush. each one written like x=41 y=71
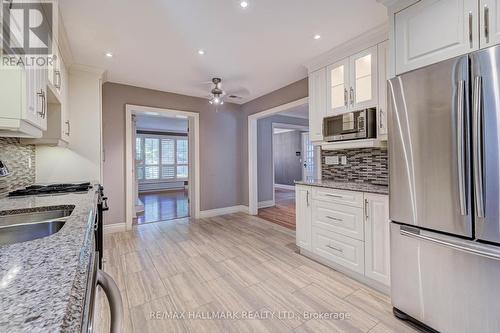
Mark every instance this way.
x=307 y=157
x=363 y=79
x=317 y=103
x=338 y=87
x=382 y=91
x=303 y=216
x=377 y=245
x=434 y=30
x=489 y=27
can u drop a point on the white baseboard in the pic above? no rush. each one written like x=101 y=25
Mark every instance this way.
x=285 y=187
x=115 y=227
x=265 y=204
x=223 y=211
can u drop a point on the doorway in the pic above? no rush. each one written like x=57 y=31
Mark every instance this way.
x=162 y=167
x=162 y=163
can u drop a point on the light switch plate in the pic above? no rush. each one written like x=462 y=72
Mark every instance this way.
x=331 y=160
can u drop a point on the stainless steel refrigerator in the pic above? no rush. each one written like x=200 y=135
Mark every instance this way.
x=444 y=156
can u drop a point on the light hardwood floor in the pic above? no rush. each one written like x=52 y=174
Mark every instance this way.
x=232 y=263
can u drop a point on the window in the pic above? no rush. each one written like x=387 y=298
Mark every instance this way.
x=161 y=157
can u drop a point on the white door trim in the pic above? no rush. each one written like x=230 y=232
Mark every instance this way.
x=253 y=202
x=194 y=138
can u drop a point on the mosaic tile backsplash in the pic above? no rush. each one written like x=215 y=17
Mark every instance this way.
x=17 y=159
x=367 y=165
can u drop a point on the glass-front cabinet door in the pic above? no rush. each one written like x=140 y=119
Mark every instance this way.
x=338 y=87
x=363 y=90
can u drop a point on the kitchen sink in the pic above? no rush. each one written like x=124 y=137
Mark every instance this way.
x=16 y=228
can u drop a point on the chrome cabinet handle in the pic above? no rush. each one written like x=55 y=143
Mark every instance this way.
x=461 y=147
x=69 y=127
x=366 y=209
x=334 y=218
x=351 y=95
x=345 y=97
x=335 y=248
x=58 y=79
x=334 y=195
x=307 y=198
x=470 y=29
x=114 y=299
x=41 y=95
x=486 y=14
x=477 y=153
x=381 y=117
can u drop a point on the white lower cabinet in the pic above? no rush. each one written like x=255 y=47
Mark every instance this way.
x=346 y=228
x=303 y=216
x=377 y=245
x=340 y=249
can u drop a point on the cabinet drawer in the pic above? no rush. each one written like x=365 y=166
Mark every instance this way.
x=339 y=249
x=343 y=219
x=338 y=196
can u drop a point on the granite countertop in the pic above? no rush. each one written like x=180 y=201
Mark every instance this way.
x=348 y=186
x=43 y=281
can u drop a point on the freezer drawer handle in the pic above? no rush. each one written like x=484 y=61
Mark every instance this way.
x=334 y=218
x=455 y=245
x=334 y=195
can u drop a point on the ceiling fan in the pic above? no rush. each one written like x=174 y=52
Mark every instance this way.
x=217 y=94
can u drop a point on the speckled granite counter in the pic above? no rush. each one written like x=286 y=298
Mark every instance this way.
x=348 y=186
x=43 y=282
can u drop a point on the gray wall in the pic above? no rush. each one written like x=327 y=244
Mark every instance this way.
x=219 y=145
x=287 y=165
x=265 y=153
x=16 y=157
x=290 y=93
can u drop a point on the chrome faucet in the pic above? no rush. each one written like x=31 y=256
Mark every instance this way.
x=4 y=171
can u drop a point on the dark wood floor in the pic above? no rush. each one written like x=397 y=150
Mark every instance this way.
x=283 y=213
x=162 y=206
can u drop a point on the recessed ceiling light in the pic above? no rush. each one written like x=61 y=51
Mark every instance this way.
x=244 y=4
x=317 y=36
x=201 y=52
x=109 y=54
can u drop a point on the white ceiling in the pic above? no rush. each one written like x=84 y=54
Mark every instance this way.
x=258 y=49
x=301 y=111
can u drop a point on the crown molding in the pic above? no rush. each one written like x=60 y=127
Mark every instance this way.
x=357 y=44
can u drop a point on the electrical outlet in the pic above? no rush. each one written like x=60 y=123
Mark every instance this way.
x=331 y=160
x=343 y=160
x=29 y=162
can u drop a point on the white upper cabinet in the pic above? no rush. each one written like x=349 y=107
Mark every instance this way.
x=430 y=31
x=363 y=70
x=352 y=82
x=489 y=23
x=317 y=104
x=382 y=90
x=338 y=87
x=377 y=243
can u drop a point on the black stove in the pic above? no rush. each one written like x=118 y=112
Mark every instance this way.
x=51 y=189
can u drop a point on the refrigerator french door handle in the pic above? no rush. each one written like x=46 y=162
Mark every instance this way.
x=461 y=148
x=458 y=244
x=477 y=152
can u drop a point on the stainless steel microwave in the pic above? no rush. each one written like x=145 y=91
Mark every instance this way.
x=351 y=126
